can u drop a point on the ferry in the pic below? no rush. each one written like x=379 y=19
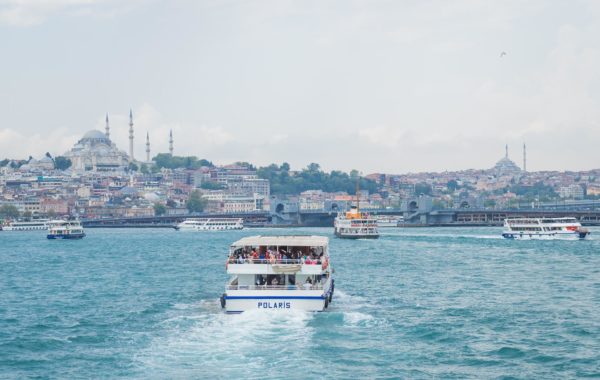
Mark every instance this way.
x=355 y=225
x=278 y=272
x=389 y=221
x=544 y=228
x=65 y=229
x=32 y=225
x=211 y=224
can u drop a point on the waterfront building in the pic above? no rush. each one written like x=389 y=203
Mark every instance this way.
x=573 y=191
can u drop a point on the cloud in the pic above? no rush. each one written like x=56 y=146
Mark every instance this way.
x=14 y=144
x=23 y=13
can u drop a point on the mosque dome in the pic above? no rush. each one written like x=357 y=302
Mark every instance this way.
x=94 y=134
x=506 y=166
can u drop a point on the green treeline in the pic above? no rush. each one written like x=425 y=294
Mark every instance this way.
x=312 y=178
x=165 y=160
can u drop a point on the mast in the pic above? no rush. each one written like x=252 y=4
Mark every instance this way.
x=357 y=190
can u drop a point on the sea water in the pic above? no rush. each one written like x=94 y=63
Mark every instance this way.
x=416 y=303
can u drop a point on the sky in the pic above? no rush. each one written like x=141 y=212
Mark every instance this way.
x=377 y=86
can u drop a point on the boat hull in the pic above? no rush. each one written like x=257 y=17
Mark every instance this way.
x=356 y=236
x=239 y=304
x=65 y=236
x=307 y=300
x=546 y=236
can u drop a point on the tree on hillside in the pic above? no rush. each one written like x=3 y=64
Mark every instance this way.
x=210 y=185
x=165 y=160
x=312 y=178
x=423 y=189
x=195 y=203
x=159 y=209
x=452 y=185
x=8 y=211
x=62 y=163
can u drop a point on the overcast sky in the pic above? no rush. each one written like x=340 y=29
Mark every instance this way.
x=380 y=86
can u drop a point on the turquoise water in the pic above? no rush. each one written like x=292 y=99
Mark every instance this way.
x=417 y=303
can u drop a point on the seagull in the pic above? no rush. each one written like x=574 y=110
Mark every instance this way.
x=502 y=54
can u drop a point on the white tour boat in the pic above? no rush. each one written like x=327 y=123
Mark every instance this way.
x=544 y=228
x=389 y=221
x=211 y=224
x=65 y=229
x=32 y=225
x=278 y=272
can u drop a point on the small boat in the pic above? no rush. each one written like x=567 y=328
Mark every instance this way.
x=354 y=224
x=65 y=229
x=278 y=272
x=211 y=224
x=31 y=225
x=544 y=229
x=389 y=221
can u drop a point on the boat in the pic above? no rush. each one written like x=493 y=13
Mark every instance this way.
x=278 y=272
x=389 y=221
x=354 y=224
x=544 y=229
x=32 y=225
x=65 y=229
x=210 y=224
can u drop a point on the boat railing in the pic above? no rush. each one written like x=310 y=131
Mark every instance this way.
x=275 y=287
x=233 y=260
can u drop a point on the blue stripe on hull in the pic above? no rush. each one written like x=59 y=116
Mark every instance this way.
x=65 y=236
x=275 y=297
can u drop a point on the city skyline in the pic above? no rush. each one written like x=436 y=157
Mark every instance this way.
x=428 y=86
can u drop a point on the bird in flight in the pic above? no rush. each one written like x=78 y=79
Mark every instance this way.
x=502 y=54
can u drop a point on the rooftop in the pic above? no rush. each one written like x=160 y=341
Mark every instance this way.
x=281 y=241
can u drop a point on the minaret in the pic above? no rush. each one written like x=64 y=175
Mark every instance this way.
x=171 y=142
x=506 y=148
x=524 y=158
x=107 y=128
x=131 y=159
x=147 y=147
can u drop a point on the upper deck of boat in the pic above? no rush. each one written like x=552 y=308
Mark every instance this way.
x=282 y=241
x=525 y=221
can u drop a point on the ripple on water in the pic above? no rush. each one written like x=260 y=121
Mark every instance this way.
x=416 y=303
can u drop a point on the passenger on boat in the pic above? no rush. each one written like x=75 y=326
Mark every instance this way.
x=308 y=283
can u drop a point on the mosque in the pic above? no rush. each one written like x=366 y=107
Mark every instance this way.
x=96 y=152
x=506 y=167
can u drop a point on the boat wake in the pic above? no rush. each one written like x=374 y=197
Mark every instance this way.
x=225 y=345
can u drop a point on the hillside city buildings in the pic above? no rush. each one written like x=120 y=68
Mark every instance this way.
x=106 y=182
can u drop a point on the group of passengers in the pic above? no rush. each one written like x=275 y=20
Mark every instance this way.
x=280 y=280
x=265 y=255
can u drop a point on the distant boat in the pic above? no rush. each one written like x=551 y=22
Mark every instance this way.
x=32 y=225
x=389 y=221
x=354 y=224
x=65 y=229
x=211 y=224
x=544 y=229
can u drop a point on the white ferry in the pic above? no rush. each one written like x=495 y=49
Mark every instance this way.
x=211 y=224
x=32 y=225
x=65 y=229
x=355 y=225
x=544 y=228
x=389 y=221
x=278 y=272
